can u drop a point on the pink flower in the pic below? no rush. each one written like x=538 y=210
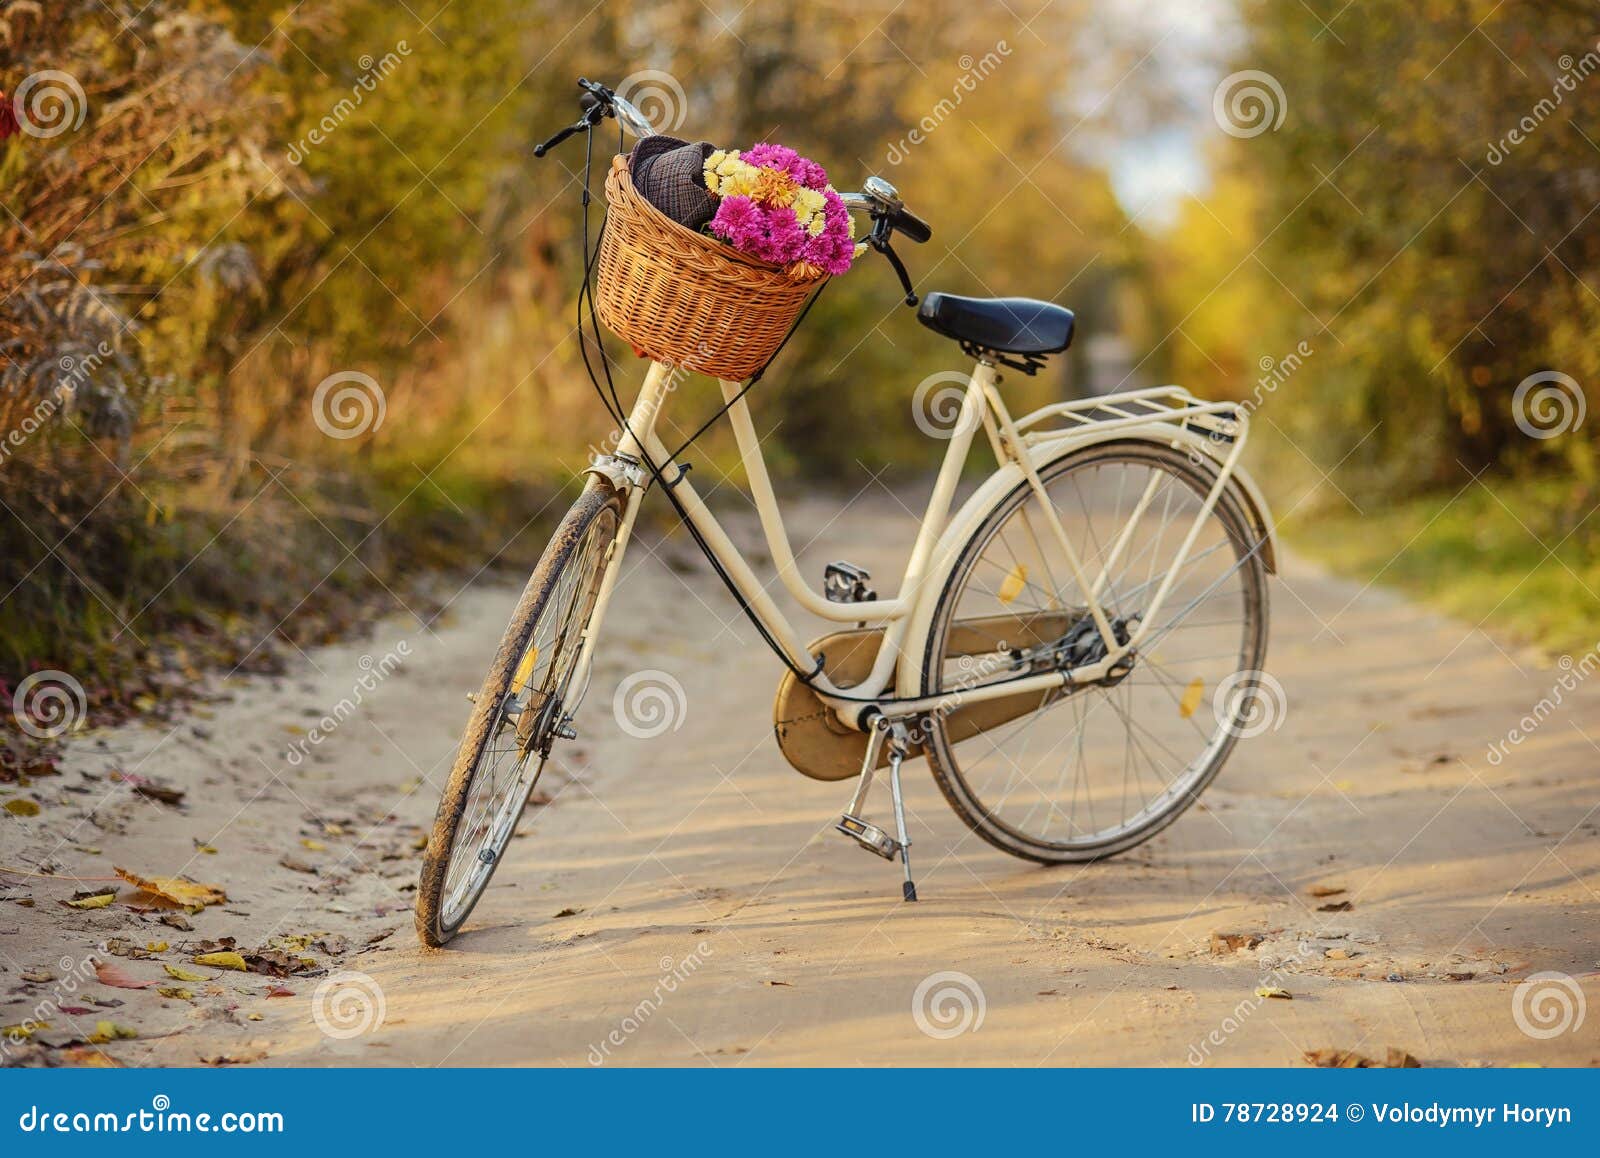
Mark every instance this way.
x=770 y=156
x=737 y=221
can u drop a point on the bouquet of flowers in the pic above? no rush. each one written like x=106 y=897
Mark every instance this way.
x=778 y=207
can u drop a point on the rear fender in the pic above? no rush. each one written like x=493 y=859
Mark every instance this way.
x=1043 y=454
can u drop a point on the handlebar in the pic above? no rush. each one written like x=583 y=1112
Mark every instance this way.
x=878 y=199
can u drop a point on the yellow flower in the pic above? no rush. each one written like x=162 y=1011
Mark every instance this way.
x=817 y=224
x=807 y=202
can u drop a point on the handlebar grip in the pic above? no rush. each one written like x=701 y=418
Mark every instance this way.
x=913 y=227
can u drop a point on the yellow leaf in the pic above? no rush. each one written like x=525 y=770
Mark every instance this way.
x=205 y=848
x=313 y=845
x=1011 y=586
x=1274 y=991
x=96 y=902
x=105 y=1031
x=179 y=973
x=22 y=1031
x=226 y=960
x=1192 y=696
x=177 y=992
x=176 y=891
x=157 y=946
x=525 y=670
x=22 y=807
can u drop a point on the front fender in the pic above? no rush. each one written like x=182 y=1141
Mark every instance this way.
x=965 y=522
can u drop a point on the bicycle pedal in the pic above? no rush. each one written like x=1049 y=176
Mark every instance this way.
x=869 y=836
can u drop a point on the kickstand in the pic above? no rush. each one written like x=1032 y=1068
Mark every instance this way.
x=897 y=754
x=868 y=835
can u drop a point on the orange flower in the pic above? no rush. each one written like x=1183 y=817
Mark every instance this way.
x=774 y=187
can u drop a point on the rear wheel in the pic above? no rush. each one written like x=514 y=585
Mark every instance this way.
x=1084 y=773
x=525 y=703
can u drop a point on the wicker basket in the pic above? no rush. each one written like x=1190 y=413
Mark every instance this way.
x=681 y=297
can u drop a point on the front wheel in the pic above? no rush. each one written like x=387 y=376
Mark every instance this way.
x=1077 y=774
x=524 y=706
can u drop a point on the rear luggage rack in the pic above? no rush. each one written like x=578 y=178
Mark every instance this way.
x=1223 y=423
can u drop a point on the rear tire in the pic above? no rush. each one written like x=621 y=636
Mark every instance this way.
x=1149 y=719
x=496 y=769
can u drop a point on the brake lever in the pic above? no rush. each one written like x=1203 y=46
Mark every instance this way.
x=879 y=240
x=544 y=147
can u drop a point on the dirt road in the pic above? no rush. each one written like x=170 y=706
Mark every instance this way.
x=684 y=900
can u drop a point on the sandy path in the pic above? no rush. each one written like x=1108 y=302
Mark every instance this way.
x=720 y=921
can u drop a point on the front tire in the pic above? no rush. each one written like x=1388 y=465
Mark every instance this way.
x=508 y=736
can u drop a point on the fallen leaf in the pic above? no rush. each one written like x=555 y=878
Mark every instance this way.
x=785 y=984
x=105 y=1031
x=76 y=1010
x=280 y=991
x=569 y=912
x=1337 y=954
x=1192 y=695
x=176 y=992
x=177 y=921
x=179 y=973
x=224 y=960
x=1222 y=943
x=1349 y=1059
x=295 y=864
x=1274 y=991
x=92 y=901
x=1325 y=890
x=313 y=845
x=22 y=807
x=156 y=946
x=205 y=848
x=1338 y=1059
x=256 y=1017
x=233 y=1059
x=114 y=975
x=86 y=1057
x=176 y=891
x=22 y=1031
x=159 y=792
x=1336 y=907
x=1011 y=586
x=38 y=976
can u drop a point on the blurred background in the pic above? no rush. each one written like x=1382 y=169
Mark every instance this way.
x=1370 y=219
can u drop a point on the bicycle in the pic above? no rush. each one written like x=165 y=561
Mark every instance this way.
x=1014 y=652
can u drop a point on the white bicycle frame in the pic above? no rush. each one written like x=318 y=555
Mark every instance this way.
x=1213 y=433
